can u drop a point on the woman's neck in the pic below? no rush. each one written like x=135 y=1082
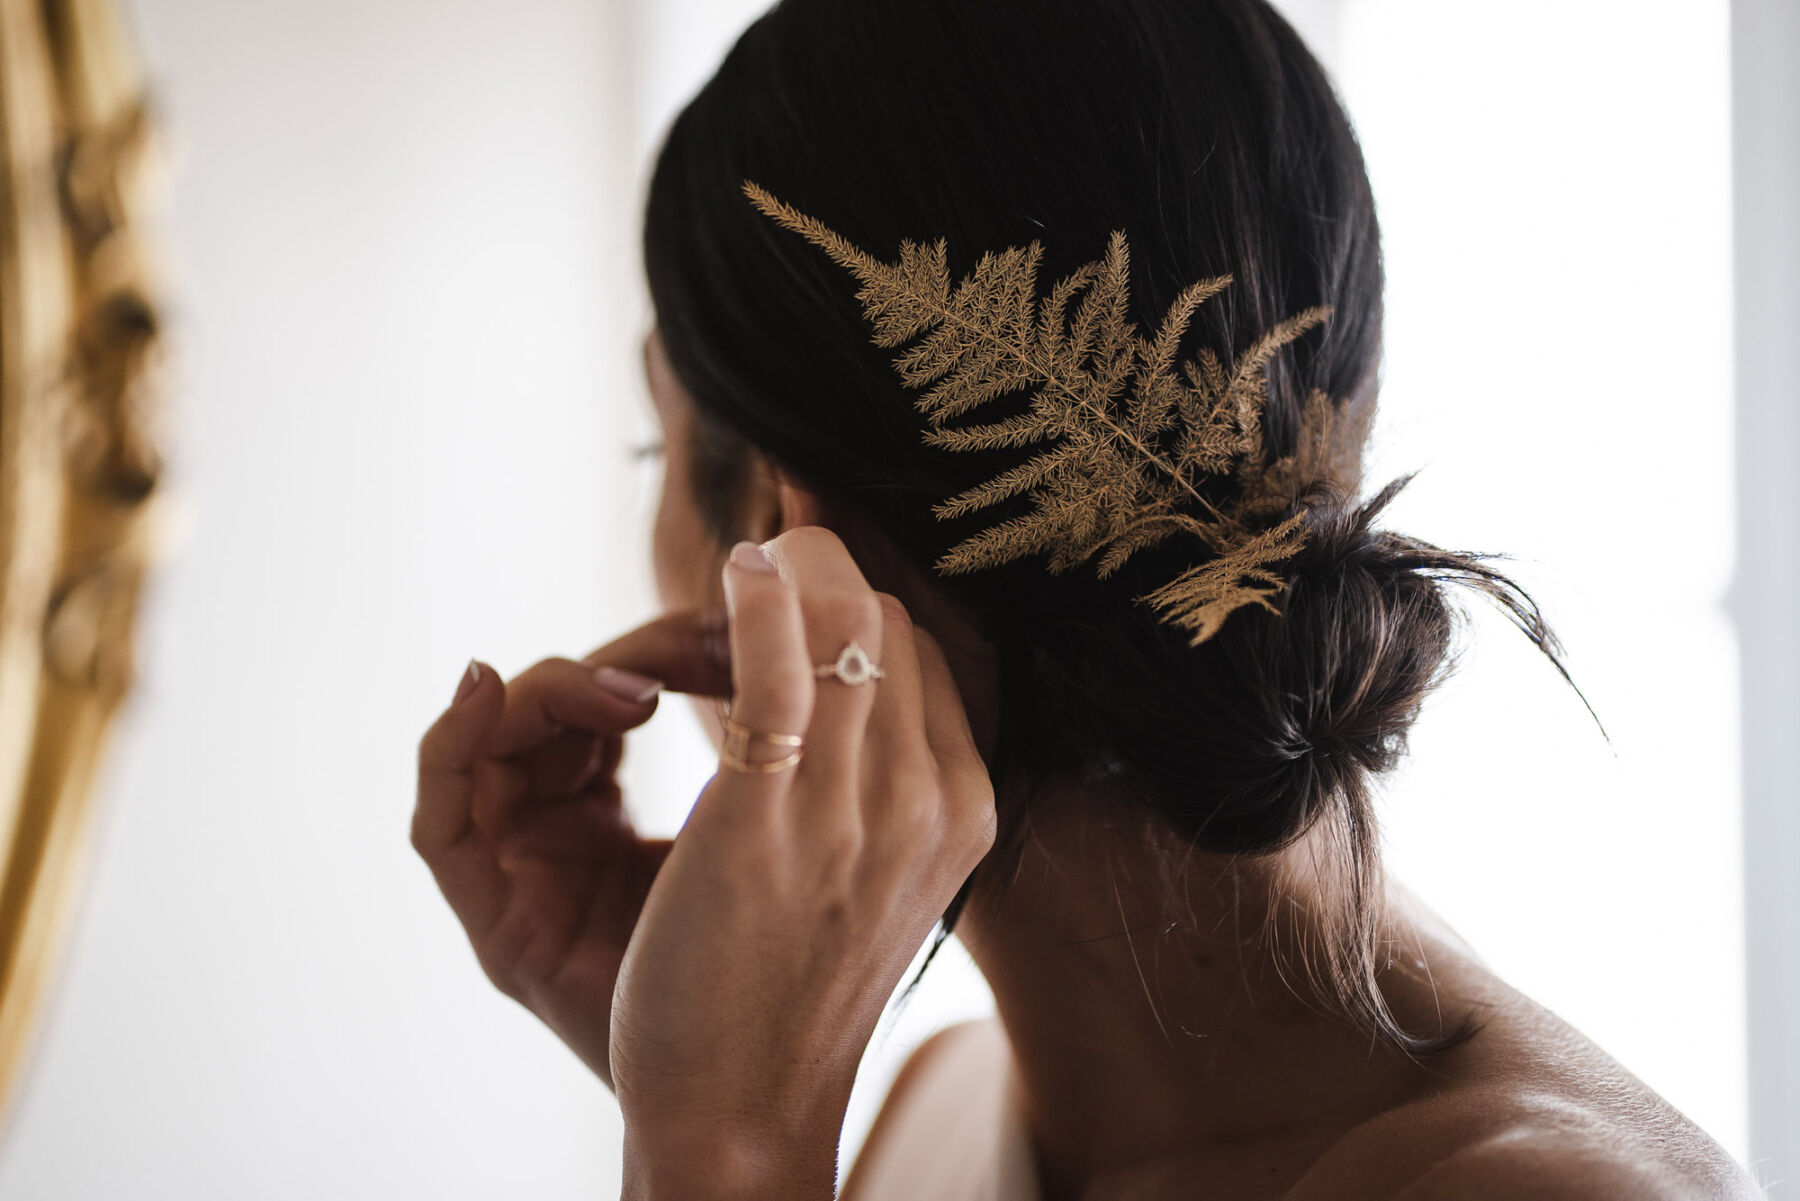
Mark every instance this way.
x=1147 y=1012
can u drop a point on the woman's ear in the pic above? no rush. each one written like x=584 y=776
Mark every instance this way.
x=776 y=503
x=797 y=506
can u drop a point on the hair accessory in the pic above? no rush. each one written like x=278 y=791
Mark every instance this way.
x=1113 y=478
x=738 y=737
x=853 y=666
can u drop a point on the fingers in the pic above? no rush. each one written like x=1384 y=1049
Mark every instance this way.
x=687 y=651
x=968 y=787
x=553 y=703
x=552 y=695
x=544 y=702
x=946 y=719
x=890 y=762
x=837 y=607
x=574 y=763
x=443 y=829
x=772 y=687
x=897 y=748
x=552 y=734
x=927 y=787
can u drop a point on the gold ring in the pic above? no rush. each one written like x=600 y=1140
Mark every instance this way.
x=737 y=746
x=853 y=666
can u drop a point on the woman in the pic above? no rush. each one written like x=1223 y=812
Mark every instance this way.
x=1156 y=840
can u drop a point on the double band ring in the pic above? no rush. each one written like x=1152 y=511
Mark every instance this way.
x=738 y=737
x=852 y=666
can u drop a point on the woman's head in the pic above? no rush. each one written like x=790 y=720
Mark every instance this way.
x=1207 y=132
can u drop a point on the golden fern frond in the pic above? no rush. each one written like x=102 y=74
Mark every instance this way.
x=1102 y=485
x=980 y=354
x=1159 y=392
x=1006 y=485
x=998 y=543
x=898 y=299
x=1328 y=446
x=1211 y=379
x=1201 y=598
x=1224 y=414
x=1248 y=387
x=1145 y=535
x=1034 y=425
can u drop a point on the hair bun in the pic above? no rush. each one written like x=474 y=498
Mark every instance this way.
x=1362 y=638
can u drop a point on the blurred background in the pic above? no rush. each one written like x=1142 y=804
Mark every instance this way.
x=398 y=274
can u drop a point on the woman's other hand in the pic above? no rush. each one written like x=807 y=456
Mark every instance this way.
x=520 y=819
x=792 y=901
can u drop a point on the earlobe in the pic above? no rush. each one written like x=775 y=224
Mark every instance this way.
x=796 y=505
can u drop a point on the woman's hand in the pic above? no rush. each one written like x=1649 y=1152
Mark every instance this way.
x=725 y=984
x=520 y=820
x=793 y=900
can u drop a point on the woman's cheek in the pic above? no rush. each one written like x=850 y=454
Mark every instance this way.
x=664 y=555
x=685 y=558
x=687 y=564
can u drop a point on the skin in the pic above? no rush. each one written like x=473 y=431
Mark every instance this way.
x=726 y=986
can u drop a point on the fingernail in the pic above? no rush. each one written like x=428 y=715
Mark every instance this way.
x=627 y=685
x=751 y=557
x=466 y=685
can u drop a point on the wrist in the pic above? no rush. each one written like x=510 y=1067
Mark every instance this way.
x=724 y=1164
x=738 y=1134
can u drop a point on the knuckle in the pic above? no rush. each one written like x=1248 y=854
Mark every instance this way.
x=498 y=972
x=985 y=829
x=977 y=824
x=841 y=841
x=838 y=850
x=506 y=986
x=928 y=647
x=435 y=745
x=893 y=613
x=421 y=841
x=916 y=812
x=809 y=539
x=538 y=674
x=842 y=609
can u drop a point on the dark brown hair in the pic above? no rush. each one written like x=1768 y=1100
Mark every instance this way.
x=1208 y=133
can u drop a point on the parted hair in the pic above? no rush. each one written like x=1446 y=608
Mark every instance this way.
x=1209 y=134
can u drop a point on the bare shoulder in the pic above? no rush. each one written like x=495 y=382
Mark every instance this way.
x=1560 y=1164
x=1529 y=1108
x=1538 y=1141
x=922 y=1056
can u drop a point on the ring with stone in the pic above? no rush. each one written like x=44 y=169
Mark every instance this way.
x=853 y=666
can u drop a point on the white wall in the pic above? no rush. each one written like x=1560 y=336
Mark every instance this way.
x=1765 y=36
x=407 y=300
x=404 y=310
x=1556 y=214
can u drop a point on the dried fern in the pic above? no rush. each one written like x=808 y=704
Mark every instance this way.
x=1201 y=598
x=1100 y=485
